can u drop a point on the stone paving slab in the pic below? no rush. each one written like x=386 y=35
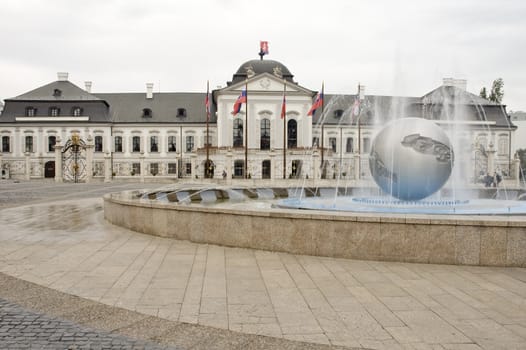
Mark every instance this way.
x=240 y=298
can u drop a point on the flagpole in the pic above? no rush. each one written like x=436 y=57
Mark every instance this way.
x=246 y=131
x=284 y=132
x=322 y=130
x=207 y=170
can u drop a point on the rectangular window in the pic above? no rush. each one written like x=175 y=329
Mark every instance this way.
x=154 y=168
x=54 y=111
x=171 y=144
x=315 y=142
x=29 y=144
x=349 y=146
x=136 y=168
x=6 y=144
x=189 y=143
x=77 y=111
x=98 y=143
x=172 y=168
x=332 y=143
x=239 y=166
x=136 y=144
x=188 y=168
x=154 y=141
x=51 y=141
x=30 y=112
x=118 y=143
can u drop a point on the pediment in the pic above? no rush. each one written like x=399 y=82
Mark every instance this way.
x=266 y=82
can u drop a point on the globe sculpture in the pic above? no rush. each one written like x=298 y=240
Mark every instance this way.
x=411 y=158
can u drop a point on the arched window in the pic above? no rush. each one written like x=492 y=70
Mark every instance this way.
x=136 y=144
x=171 y=144
x=238 y=132
x=154 y=144
x=292 y=134
x=264 y=141
x=6 y=144
x=51 y=141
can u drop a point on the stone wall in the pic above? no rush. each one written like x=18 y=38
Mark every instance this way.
x=490 y=241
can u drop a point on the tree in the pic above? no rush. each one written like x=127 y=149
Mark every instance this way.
x=521 y=154
x=497 y=91
x=483 y=93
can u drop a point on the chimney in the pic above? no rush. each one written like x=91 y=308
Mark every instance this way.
x=458 y=83
x=149 y=90
x=361 y=91
x=87 y=84
x=62 y=76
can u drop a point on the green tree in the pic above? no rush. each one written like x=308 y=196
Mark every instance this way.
x=483 y=93
x=497 y=91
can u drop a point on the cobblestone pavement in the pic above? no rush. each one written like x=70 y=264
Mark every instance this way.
x=23 y=329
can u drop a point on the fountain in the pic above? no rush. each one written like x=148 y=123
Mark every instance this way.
x=411 y=160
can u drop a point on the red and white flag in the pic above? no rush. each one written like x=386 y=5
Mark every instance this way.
x=263 y=47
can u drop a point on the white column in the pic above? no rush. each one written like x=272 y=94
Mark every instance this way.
x=491 y=159
x=89 y=158
x=58 y=160
x=107 y=167
x=28 y=165
x=143 y=167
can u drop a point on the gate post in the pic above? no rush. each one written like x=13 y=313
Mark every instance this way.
x=28 y=166
x=107 y=167
x=143 y=168
x=89 y=159
x=58 y=160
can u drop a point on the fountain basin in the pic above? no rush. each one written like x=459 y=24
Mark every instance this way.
x=420 y=238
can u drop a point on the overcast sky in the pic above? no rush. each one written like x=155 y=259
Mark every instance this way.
x=402 y=47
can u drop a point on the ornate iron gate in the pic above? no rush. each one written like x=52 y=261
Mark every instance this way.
x=74 y=160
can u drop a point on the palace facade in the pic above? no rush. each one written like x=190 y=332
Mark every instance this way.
x=69 y=133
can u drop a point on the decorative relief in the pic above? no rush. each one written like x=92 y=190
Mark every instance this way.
x=265 y=83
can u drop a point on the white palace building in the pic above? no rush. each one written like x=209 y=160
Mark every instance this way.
x=69 y=133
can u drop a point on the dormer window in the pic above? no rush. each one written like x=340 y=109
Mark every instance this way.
x=146 y=113
x=76 y=111
x=181 y=112
x=31 y=111
x=338 y=113
x=54 y=111
x=57 y=92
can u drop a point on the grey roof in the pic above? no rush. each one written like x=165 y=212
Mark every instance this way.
x=452 y=94
x=69 y=92
x=441 y=104
x=261 y=66
x=128 y=107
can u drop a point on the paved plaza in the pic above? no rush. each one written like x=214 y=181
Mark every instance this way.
x=59 y=257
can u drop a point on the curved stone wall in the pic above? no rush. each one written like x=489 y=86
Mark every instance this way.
x=477 y=240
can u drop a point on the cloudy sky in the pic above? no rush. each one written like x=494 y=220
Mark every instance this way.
x=402 y=47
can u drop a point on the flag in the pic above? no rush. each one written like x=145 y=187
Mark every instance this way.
x=317 y=104
x=283 y=106
x=207 y=103
x=263 y=48
x=239 y=102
